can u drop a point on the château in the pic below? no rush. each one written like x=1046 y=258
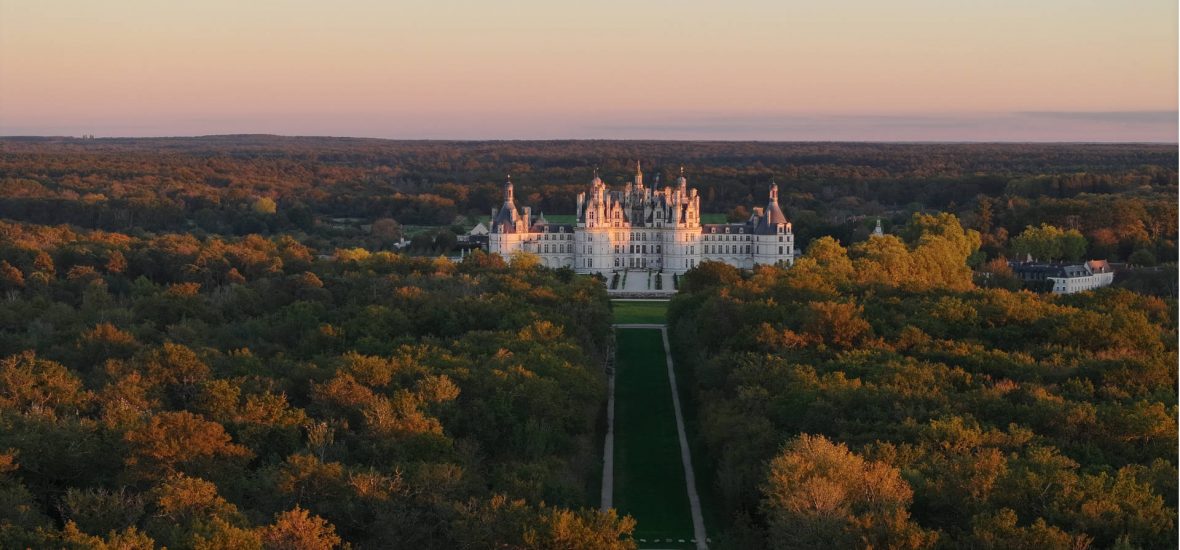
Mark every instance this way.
x=642 y=227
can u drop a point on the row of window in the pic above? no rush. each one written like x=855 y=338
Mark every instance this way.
x=708 y=237
x=637 y=248
x=735 y=249
x=656 y=249
x=725 y=249
x=636 y=262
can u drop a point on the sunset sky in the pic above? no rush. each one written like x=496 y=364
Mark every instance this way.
x=1009 y=70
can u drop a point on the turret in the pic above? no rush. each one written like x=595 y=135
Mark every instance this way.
x=507 y=218
x=638 y=176
x=772 y=218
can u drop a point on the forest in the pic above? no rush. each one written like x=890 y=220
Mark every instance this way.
x=1120 y=198
x=239 y=393
x=873 y=396
x=213 y=343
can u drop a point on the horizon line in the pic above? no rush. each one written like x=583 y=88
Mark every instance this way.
x=664 y=140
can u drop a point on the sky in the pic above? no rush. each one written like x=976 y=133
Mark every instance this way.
x=847 y=70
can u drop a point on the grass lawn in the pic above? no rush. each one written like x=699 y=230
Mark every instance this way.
x=560 y=218
x=627 y=311
x=649 y=477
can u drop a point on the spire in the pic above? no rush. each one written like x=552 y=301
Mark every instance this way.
x=773 y=214
x=638 y=176
x=508 y=190
x=638 y=168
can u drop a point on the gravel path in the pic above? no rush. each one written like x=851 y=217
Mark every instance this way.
x=608 y=447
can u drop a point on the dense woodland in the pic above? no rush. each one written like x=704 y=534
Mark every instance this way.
x=1121 y=198
x=872 y=396
x=209 y=393
x=206 y=343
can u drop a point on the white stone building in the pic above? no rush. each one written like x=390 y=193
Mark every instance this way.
x=642 y=228
x=1088 y=276
x=1065 y=278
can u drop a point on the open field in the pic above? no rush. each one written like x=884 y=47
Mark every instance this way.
x=639 y=311
x=649 y=476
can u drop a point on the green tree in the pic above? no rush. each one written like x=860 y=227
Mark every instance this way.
x=296 y=529
x=11 y=278
x=819 y=494
x=1048 y=243
x=173 y=442
x=265 y=206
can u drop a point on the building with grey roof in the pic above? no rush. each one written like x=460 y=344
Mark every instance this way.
x=1064 y=278
x=642 y=227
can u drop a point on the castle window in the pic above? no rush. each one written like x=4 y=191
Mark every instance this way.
x=780 y=250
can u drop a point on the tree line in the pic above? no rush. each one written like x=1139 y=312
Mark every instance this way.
x=1120 y=197
x=169 y=390
x=872 y=396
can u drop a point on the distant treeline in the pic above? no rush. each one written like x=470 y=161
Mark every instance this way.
x=214 y=184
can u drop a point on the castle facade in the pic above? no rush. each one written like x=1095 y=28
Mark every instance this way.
x=642 y=228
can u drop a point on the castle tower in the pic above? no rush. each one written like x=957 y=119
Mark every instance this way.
x=774 y=241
